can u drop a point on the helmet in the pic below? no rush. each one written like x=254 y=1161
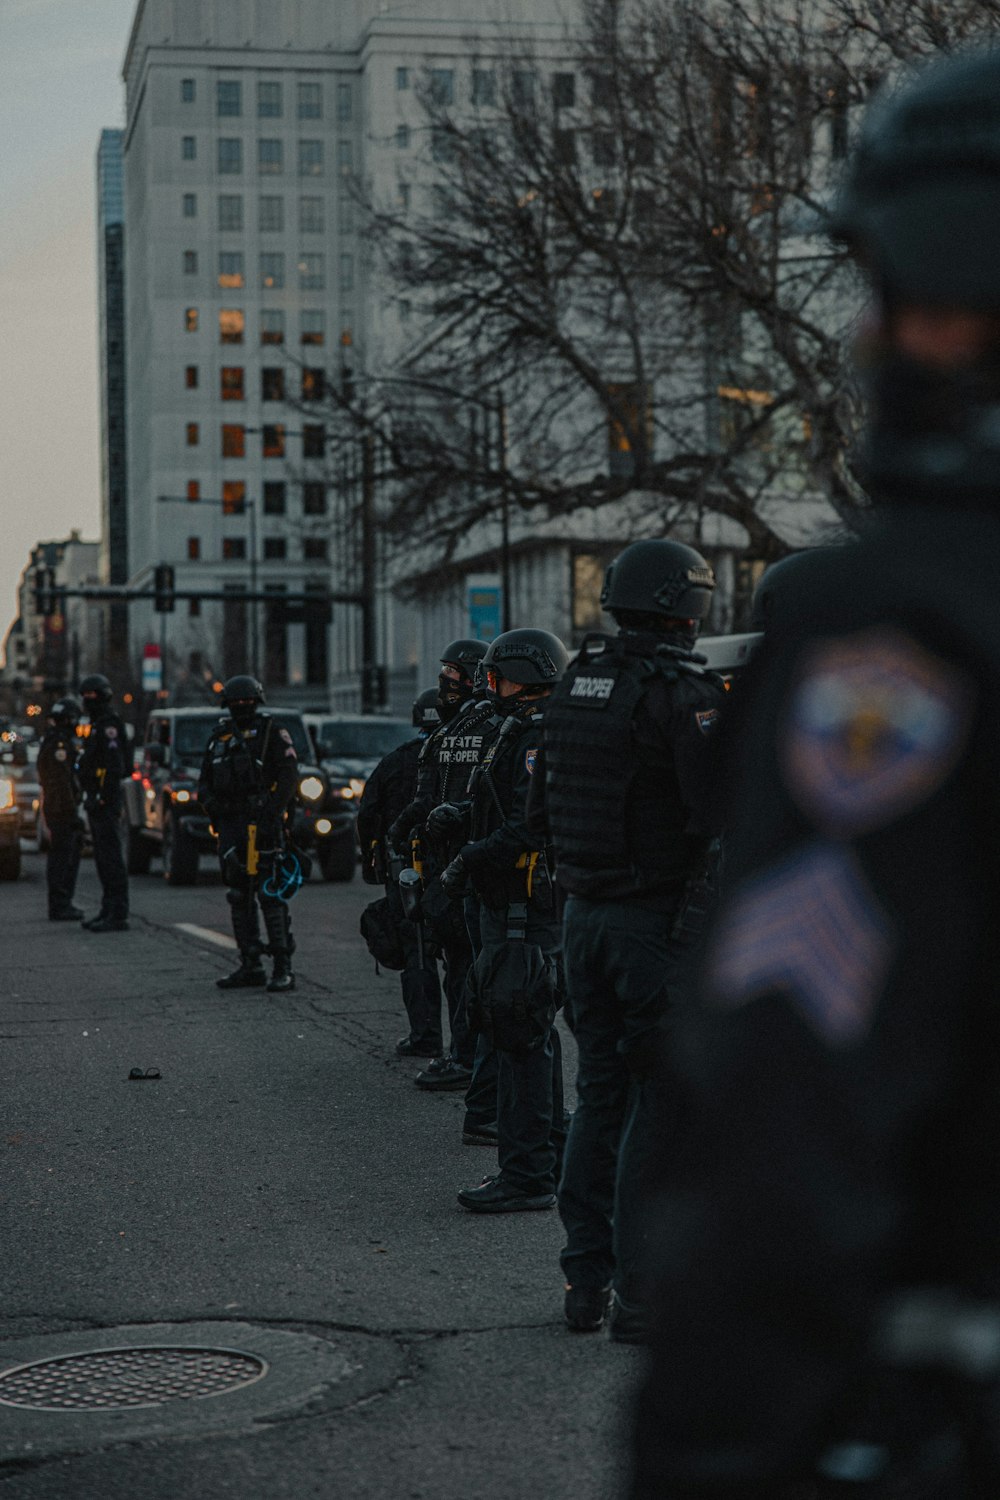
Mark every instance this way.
x=242 y=689
x=782 y=581
x=425 y=710
x=534 y=658
x=95 y=689
x=464 y=653
x=659 y=578
x=66 y=711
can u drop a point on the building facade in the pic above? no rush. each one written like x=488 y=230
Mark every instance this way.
x=111 y=306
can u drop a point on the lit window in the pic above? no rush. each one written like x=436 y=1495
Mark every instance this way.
x=313 y=441
x=313 y=326
x=632 y=420
x=231 y=382
x=270 y=158
x=228 y=98
x=189 y=205
x=275 y=548
x=231 y=324
x=187 y=90
x=194 y=548
x=189 y=148
x=273 y=445
x=313 y=384
x=191 y=319
x=403 y=137
x=343 y=102
x=234 y=548
x=190 y=262
x=484 y=87
x=191 y=377
x=564 y=90
x=269 y=101
x=443 y=85
x=272 y=326
x=192 y=434
x=230 y=155
x=231 y=212
x=347 y=273
x=310 y=158
x=233 y=441
x=230 y=268
x=234 y=497
x=193 y=491
x=314 y=549
x=312 y=274
x=310 y=101
x=274 y=497
x=271 y=213
x=272 y=383
x=402 y=78
x=272 y=268
x=311 y=215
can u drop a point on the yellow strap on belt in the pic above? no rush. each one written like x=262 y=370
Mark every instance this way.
x=253 y=859
x=528 y=862
x=417 y=857
x=102 y=771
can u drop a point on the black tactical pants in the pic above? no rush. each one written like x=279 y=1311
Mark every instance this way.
x=105 y=833
x=63 y=863
x=621 y=975
x=418 y=979
x=481 y=1095
x=246 y=895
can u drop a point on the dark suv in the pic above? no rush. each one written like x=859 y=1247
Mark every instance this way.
x=161 y=799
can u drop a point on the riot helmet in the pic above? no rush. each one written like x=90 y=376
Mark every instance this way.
x=782 y=588
x=920 y=206
x=95 y=691
x=462 y=656
x=67 y=710
x=658 y=581
x=536 y=659
x=425 y=710
x=242 y=696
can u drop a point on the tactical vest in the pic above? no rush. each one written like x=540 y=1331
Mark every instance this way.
x=617 y=826
x=489 y=784
x=458 y=747
x=237 y=759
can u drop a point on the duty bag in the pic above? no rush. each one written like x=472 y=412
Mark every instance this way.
x=382 y=935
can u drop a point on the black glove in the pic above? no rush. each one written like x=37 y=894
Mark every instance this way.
x=446 y=821
x=454 y=877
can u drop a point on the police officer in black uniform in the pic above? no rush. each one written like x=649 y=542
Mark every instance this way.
x=106 y=760
x=58 y=756
x=388 y=790
x=248 y=778
x=829 y=1248
x=626 y=796
x=516 y=980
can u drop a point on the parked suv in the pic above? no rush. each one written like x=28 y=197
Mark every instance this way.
x=10 y=826
x=161 y=799
x=350 y=746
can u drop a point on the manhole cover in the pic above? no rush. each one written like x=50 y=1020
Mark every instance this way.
x=106 y=1378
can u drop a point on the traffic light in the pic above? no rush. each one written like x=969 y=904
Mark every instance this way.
x=163 y=589
x=45 y=591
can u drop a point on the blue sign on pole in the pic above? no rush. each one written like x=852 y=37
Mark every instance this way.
x=484 y=611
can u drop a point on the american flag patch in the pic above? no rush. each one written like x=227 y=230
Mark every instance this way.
x=812 y=930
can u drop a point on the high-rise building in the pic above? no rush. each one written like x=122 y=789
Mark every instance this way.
x=111 y=302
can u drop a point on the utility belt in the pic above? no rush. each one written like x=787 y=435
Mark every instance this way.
x=529 y=883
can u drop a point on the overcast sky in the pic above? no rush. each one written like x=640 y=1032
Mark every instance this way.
x=60 y=84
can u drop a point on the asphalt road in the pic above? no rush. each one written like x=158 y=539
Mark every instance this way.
x=283 y=1183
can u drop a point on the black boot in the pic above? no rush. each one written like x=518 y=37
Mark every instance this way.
x=249 y=976
x=279 y=937
x=282 y=978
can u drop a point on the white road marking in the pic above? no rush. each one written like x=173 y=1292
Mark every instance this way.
x=218 y=938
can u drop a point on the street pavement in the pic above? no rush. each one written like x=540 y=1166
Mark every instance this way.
x=282 y=1181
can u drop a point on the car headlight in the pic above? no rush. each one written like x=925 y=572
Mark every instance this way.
x=183 y=795
x=6 y=793
x=358 y=785
x=347 y=792
x=311 y=788
x=323 y=826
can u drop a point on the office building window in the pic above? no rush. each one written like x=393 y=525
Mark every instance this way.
x=402 y=137
x=313 y=441
x=187 y=90
x=313 y=326
x=193 y=491
x=273 y=440
x=191 y=431
x=271 y=215
x=314 y=549
x=442 y=85
x=402 y=78
x=234 y=548
x=190 y=262
x=484 y=87
x=344 y=103
x=272 y=383
x=313 y=384
x=312 y=273
x=230 y=158
x=234 y=443
x=269 y=101
x=270 y=158
x=275 y=548
x=228 y=98
x=564 y=90
x=234 y=497
x=311 y=215
x=345 y=158
x=194 y=548
x=231 y=324
x=272 y=268
x=345 y=210
x=314 y=498
x=230 y=268
x=191 y=377
x=310 y=158
x=522 y=88
x=189 y=148
x=231 y=212
x=272 y=326
x=274 y=497
x=310 y=102
x=403 y=195
x=231 y=383
x=189 y=205
x=347 y=273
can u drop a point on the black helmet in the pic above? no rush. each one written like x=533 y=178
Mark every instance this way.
x=66 y=711
x=784 y=587
x=922 y=194
x=464 y=653
x=242 y=689
x=659 y=578
x=95 y=689
x=425 y=710
x=534 y=658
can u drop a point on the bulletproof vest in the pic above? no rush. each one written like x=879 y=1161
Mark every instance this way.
x=459 y=746
x=491 y=780
x=617 y=826
x=57 y=772
x=238 y=759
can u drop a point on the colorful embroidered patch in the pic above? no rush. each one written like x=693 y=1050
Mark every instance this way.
x=707 y=719
x=875 y=726
x=530 y=757
x=811 y=930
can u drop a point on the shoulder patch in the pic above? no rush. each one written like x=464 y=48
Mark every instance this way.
x=707 y=719
x=111 y=732
x=874 y=727
x=530 y=760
